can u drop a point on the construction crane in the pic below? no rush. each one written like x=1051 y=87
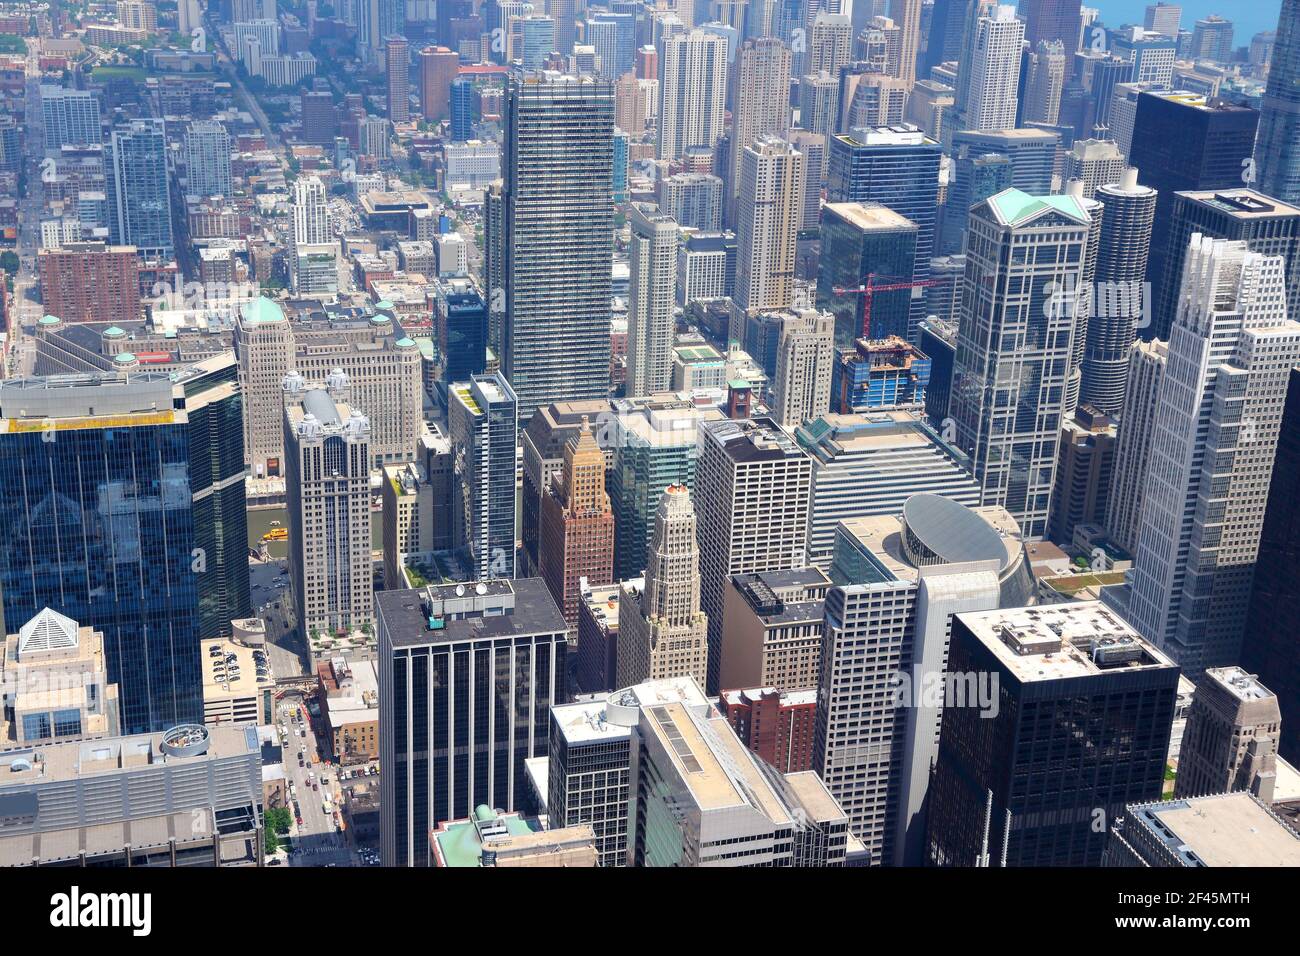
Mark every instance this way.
x=870 y=288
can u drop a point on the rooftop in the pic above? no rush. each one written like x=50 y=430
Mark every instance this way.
x=1230 y=829
x=504 y=608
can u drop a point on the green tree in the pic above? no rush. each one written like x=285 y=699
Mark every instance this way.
x=9 y=261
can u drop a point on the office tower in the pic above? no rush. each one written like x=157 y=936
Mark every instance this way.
x=397 y=69
x=1014 y=351
x=482 y=418
x=662 y=633
x=462 y=108
x=1163 y=18
x=1212 y=40
x=320 y=118
x=190 y=796
x=1151 y=55
x=1085 y=464
x=887 y=372
x=1270 y=649
x=907 y=14
x=1052 y=21
x=988 y=80
x=805 y=362
x=813 y=148
x=899 y=579
x=558 y=236
x=576 y=541
x=441 y=648
x=1146 y=367
x=207 y=159
x=1231 y=738
x=71 y=117
x=776 y=725
x=1219 y=830
x=1106 y=700
x=135 y=172
x=263 y=343
x=751 y=492
x=770 y=210
x=90 y=282
x=773 y=634
x=536 y=38
x=897 y=167
x=1268 y=226
x=597 y=639
x=327 y=489
x=1044 y=83
x=664 y=780
x=1277 y=152
x=170 y=460
x=652 y=260
x=1183 y=142
x=461 y=320
x=1120 y=298
x=870 y=465
x=692 y=200
x=1213 y=439
x=692 y=92
x=438 y=67
x=866 y=99
x=760 y=107
x=938 y=342
x=819 y=103
x=861 y=244
x=987 y=162
x=1094 y=162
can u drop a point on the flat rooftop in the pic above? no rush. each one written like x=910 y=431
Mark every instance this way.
x=753 y=440
x=1230 y=829
x=869 y=216
x=533 y=611
x=1243 y=204
x=1240 y=683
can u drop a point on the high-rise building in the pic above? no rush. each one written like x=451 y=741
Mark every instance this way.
x=1215 y=431
x=1221 y=830
x=207 y=159
x=652 y=261
x=776 y=725
x=907 y=14
x=1016 y=345
x=662 y=633
x=1095 y=162
x=897 y=167
x=1150 y=55
x=813 y=147
x=558 y=238
x=988 y=79
x=692 y=200
x=752 y=487
x=899 y=579
x=861 y=243
x=1267 y=225
x=483 y=421
x=438 y=67
x=90 y=282
x=1084 y=466
x=164 y=505
x=576 y=546
x=135 y=174
x=1146 y=367
x=1045 y=79
x=1277 y=151
x=1212 y=40
x=773 y=632
x=71 y=117
x=987 y=162
x=1051 y=21
x=770 y=211
x=397 y=69
x=1163 y=18
x=327 y=489
x=692 y=92
x=1077 y=689
x=1120 y=299
x=1231 y=738
x=441 y=649
x=760 y=104
x=805 y=363
x=1182 y=141
x=865 y=465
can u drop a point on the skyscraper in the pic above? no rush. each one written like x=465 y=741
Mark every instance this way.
x=770 y=212
x=1041 y=102
x=71 y=117
x=558 y=237
x=1016 y=344
x=438 y=67
x=327 y=489
x=482 y=417
x=135 y=173
x=1119 y=294
x=1052 y=21
x=805 y=360
x=207 y=159
x=576 y=546
x=988 y=79
x=858 y=241
x=1215 y=433
x=125 y=507
x=907 y=14
x=1146 y=366
x=692 y=92
x=397 y=68
x=1231 y=738
x=1277 y=150
x=752 y=485
x=662 y=633
x=760 y=103
x=652 y=261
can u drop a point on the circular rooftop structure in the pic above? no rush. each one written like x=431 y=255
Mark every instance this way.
x=186 y=740
x=48 y=320
x=938 y=530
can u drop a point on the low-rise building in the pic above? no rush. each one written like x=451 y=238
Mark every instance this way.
x=510 y=840
x=237 y=684
x=350 y=708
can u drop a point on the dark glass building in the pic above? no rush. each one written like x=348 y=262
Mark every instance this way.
x=1271 y=649
x=1057 y=717
x=939 y=344
x=124 y=509
x=1182 y=141
x=861 y=240
x=467 y=677
x=461 y=319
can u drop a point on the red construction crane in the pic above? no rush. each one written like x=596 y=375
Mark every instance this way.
x=871 y=287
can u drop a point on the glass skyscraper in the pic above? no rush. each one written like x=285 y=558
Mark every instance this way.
x=135 y=174
x=1277 y=149
x=124 y=508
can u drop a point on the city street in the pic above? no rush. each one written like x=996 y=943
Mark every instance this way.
x=317 y=841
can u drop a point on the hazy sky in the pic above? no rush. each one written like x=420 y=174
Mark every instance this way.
x=1248 y=18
